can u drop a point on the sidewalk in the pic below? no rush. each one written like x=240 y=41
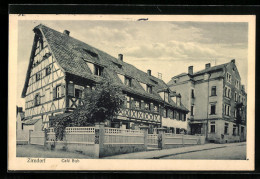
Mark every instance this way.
x=169 y=152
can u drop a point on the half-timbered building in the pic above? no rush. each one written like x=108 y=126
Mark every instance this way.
x=61 y=67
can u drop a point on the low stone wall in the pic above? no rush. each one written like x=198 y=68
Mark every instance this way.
x=113 y=149
x=224 y=138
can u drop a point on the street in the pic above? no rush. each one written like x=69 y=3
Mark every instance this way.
x=210 y=151
x=233 y=152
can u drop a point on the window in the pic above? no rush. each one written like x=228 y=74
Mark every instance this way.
x=184 y=117
x=166 y=96
x=242 y=130
x=227 y=92
x=47 y=70
x=226 y=128
x=239 y=98
x=228 y=77
x=177 y=115
x=212 y=127
x=156 y=108
x=147 y=106
x=192 y=110
x=37 y=99
x=174 y=114
x=227 y=110
x=180 y=116
x=127 y=101
x=137 y=104
x=234 y=129
x=78 y=93
x=177 y=130
x=237 y=84
x=192 y=93
x=38 y=76
x=213 y=91
x=213 y=109
x=127 y=81
x=58 y=91
x=98 y=70
x=165 y=113
x=149 y=89
x=235 y=96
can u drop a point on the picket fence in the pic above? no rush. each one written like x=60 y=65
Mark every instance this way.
x=100 y=141
x=123 y=136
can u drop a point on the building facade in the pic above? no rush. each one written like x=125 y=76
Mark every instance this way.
x=61 y=67
x=217 y=102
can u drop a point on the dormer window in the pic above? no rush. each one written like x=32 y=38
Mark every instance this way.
x=98 y=70
x=128 y=81
x=149 y=89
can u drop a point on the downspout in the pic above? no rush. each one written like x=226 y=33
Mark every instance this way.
x=207 y=111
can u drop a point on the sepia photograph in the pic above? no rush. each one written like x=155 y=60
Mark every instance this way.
x=102 y=89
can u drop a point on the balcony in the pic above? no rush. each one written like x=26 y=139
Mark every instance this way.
x=138 y=114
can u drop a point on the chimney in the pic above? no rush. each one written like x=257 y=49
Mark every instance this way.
x=120 y=57
x=207 y=65
x=149 y=72
x=233 y=61
x=190 y=70
x=66 y=32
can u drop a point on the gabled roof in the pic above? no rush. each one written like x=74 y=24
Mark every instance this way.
x=214 y=68
x=72 y=54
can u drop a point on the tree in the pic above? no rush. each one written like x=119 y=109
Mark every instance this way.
x=99 y=104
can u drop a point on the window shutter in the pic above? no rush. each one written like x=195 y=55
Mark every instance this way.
x=63 y=90
x=71 y=89
x=54 y=92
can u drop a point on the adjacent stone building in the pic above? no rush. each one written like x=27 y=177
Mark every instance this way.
x=216 y=100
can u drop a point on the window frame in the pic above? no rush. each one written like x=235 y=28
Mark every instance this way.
x=37 y=99
x=226 y=126
x=38 y=76
x=58 y=91
x=211 y=105
x=213 y=124
x=215 y=91
x=48 y=70
x=129 y=80
x=98 y=70
x=149 y=89
x=192 y=110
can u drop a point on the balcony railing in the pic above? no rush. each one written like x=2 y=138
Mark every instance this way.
x=139 y=114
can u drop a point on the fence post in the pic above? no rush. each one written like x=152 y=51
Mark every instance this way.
x=45 y=137
x=29 y=140
x=161 y=138
x=99 y=139
x=145 y=131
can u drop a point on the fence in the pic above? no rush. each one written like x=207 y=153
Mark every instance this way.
x=179 y=140
x=36 y=137
x=123 y=136
x=100 y=141
x=152 y=140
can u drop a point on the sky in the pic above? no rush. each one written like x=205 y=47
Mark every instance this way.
x=167 y=47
